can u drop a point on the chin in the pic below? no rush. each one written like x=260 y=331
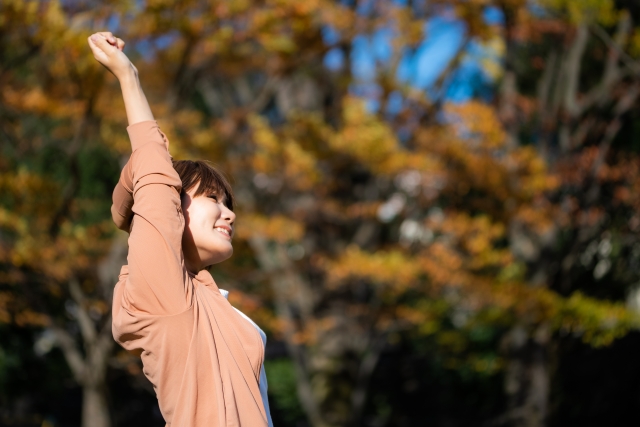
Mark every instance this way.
x=228 y=254
x=221 y=256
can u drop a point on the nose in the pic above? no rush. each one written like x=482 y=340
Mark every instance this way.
x=228 y=215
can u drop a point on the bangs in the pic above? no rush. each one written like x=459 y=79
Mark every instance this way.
x=206 y=177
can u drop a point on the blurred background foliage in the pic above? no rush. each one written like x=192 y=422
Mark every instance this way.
x=438 y=205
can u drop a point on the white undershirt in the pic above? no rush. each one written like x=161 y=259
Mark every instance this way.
x=263 y=374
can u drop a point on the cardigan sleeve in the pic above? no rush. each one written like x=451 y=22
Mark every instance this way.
x=146 y=202
x=122 y=207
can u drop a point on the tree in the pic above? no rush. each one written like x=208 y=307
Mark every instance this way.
x=367 y=223
x=572 y=102
x=335 y=182
x=58 y=248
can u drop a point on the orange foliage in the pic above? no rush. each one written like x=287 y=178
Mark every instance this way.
x=277 y=228
x=457 y=188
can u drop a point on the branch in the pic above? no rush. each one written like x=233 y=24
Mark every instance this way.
x=271 y=263
x=179 y=81
x=97 y=345
x=545 y=82
x=216 y=100
x=71 y=353
x=440 y=84
x=278 y=265
x=612 y=73
x=105 y=341
x=87 y=328
x=73 y=185
x=616 y=45
x=581 y=132
x=593 y=192
x=624 y=104
x=263 y=97
x=100 y=352
x=573 y=68
x=365 y=370
x=109 y=268
x=213 y=97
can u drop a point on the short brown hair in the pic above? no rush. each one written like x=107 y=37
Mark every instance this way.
x=209 y=179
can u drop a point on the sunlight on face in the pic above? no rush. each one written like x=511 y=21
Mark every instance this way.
x=208 y=230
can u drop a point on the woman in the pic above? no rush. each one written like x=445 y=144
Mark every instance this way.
x=203 y=357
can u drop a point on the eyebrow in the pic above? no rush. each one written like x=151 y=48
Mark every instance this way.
x=221 y=195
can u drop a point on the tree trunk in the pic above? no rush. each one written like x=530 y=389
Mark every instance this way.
x=287 y=290
x=527 y=379
x=332 y=387
x=95 y=410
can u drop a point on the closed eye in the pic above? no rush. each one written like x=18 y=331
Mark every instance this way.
x=217 y=199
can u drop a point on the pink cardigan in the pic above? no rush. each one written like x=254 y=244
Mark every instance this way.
x=202 y=357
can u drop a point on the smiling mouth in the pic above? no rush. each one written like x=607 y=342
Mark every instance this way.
x=224 y=232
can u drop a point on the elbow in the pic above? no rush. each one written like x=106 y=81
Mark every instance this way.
x=122 y=222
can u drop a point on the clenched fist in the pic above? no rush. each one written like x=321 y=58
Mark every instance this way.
x=107 y=49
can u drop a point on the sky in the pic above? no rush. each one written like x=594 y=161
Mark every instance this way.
x=444 y=36
x=420 y=69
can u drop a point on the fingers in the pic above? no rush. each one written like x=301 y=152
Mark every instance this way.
x=108 y=35
x=105 y=37
x=107 y=50
x=94 y=47
x=100 y=42
x=110 y=38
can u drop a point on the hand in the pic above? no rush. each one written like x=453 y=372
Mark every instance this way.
x=107 y=49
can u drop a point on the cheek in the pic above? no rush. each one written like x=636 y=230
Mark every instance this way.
x=202 y=216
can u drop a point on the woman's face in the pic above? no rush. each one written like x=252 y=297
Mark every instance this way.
x=208 y=230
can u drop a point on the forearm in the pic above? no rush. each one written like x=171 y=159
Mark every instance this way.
x=135 y=102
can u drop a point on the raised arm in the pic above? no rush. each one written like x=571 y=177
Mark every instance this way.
x=108 y=50
x=146 y=198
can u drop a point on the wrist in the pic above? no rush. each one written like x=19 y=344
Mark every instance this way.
x=128 y=77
